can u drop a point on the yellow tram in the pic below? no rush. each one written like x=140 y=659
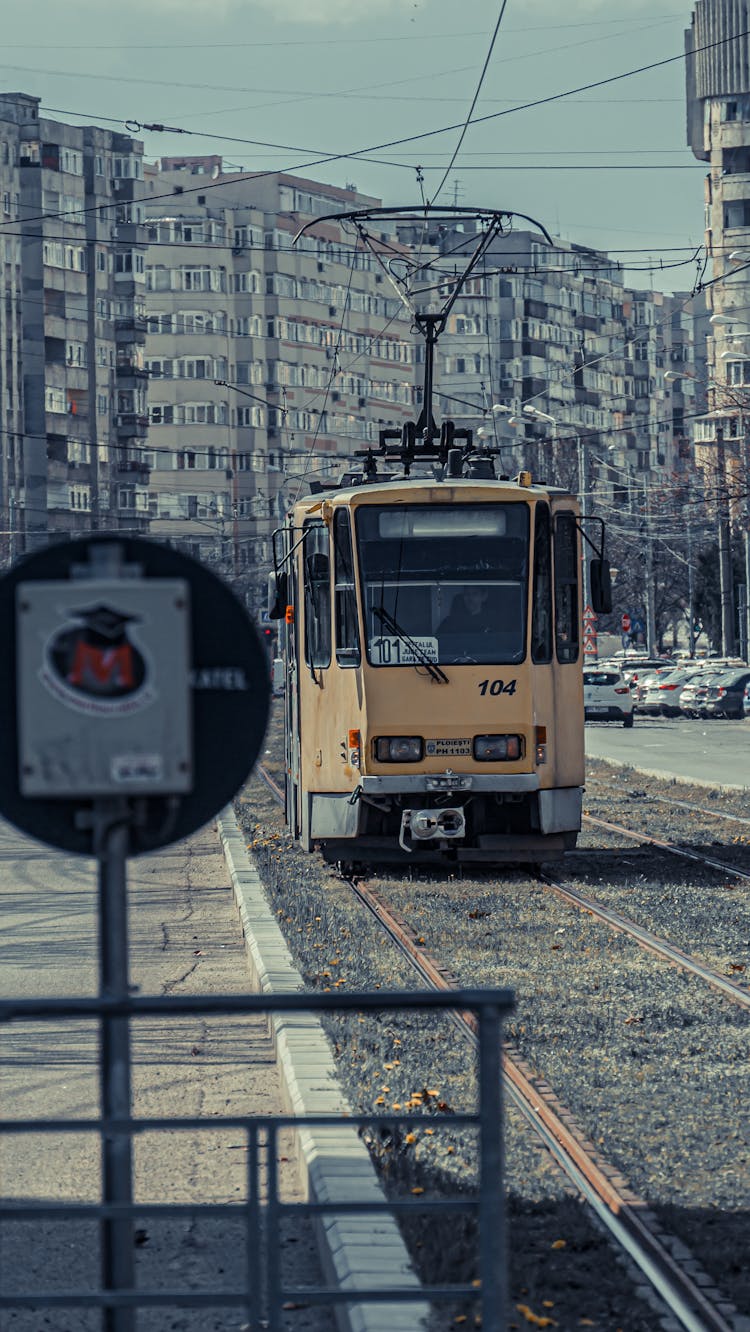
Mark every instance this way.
x=434 y=702
x=431 y=633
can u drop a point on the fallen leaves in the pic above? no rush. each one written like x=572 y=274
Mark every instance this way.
x=539 y=1320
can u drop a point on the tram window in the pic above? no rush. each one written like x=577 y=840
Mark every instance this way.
x=317 y=575
x=566 y=587
x=348 y=651
x=444 y=583
x=541 y=616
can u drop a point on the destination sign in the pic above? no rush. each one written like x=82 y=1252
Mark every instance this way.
x=392 y=651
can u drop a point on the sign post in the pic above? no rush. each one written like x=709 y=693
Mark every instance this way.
x=134 y=697
x=590 y=647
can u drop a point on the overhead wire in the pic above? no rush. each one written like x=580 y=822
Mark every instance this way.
x=412 y=138
x=474 y=101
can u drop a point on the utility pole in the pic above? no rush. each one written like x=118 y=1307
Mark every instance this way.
x=746 y=534
x=725 y=555
x=649 y=598
x=581 y=447
x=691 y=592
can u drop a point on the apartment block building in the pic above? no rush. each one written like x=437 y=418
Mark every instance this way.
x=270 y=360
x=72 y=330
x=718 y=122
x=554 y=329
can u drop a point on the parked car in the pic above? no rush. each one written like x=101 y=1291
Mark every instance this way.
x=689 y=696
x=725 y=695
x=278 y=677
x=701 y=693
x=639 y=688
x=663 y=691
x=606 y=696
x=635 y=669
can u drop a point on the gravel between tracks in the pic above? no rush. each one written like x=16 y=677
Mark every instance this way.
x=653 y=1065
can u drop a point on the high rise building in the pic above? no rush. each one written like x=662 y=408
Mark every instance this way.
x=269 y=360
x=72 y=329
x=718 y=120
x=572 y=359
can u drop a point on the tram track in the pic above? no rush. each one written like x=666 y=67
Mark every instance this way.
x=689 y=1295
x=626 y=1217
x=652 y=943
x=683 y=852
x=685 y=804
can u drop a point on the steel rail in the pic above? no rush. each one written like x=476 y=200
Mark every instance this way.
x=271 y=783
x=625 y=1216
x=652 y=942
x=684 y=804
x=667 y=846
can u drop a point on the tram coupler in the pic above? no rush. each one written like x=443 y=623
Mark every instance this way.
x=431 y=825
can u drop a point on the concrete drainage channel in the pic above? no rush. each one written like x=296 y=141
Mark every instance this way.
x=357 y=1252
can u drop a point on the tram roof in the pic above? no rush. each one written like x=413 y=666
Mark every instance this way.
x=402 y=488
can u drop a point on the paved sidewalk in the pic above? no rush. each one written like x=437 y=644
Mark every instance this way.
x=185 y=939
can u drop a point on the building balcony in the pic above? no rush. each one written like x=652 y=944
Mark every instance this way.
x=129 y=370
x=129 y=423
x=130 y=329
x=131 y=469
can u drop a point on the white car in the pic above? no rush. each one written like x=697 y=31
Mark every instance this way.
x=278 y=677
x=606 y=695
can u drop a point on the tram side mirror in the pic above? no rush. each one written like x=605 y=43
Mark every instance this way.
x=277 y=598
x=601 y=586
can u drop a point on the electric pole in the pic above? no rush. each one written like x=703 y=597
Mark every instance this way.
x=725 y=553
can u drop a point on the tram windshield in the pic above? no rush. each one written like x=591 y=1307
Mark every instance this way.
x=444 y=584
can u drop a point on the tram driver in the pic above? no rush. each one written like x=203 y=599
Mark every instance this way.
x=483 y=624
x=467 y=613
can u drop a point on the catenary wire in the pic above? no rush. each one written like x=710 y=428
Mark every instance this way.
x=413 y=138
x=474 y=100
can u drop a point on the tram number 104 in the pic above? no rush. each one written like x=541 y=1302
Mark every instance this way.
x=496 y=687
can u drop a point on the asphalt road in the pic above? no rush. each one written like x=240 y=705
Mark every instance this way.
x=714 y=752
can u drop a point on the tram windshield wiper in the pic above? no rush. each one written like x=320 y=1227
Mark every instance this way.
x=388 y=622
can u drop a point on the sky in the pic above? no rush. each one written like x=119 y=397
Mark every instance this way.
x=275 y=84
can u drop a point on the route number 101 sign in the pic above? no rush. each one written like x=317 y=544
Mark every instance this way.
x=392 y=651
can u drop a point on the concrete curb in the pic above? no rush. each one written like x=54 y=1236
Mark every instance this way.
x=355 y=1251
x=664 y=776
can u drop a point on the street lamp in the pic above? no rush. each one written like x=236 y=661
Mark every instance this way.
x=530 y=414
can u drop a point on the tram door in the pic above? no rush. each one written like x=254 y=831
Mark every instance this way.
x=292 y=709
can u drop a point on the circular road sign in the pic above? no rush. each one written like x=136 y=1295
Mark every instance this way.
x=229 y=692
x=625 y=623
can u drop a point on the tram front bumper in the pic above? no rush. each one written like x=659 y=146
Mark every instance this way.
x=413 y=783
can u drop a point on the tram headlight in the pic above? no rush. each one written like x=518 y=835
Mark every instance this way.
x=494 y=748
x=399 y=748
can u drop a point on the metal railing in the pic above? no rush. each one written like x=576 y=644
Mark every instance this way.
x=263 y=1293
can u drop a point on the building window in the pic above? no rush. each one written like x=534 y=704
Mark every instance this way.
x=737 y=213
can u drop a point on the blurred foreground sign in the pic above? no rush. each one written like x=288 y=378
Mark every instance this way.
x=131 y=675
